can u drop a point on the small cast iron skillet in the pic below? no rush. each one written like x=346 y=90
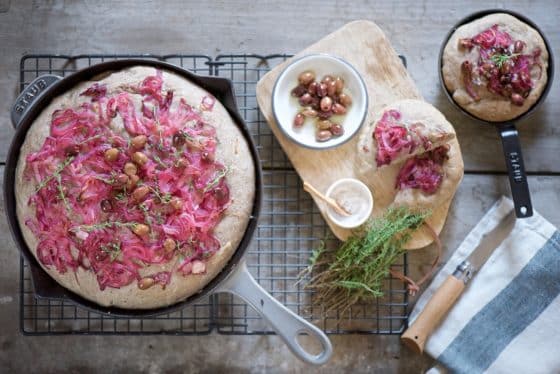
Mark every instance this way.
x=507 y=130
x=234 y=278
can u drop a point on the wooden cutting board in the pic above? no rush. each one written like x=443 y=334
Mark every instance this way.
x=365 y=46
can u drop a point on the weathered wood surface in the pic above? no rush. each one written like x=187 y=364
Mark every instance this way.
x=416 y=29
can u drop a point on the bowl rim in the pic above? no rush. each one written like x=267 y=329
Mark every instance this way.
x=361 y=83
x=364 y=187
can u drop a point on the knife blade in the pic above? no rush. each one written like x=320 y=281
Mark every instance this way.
x=444 y=298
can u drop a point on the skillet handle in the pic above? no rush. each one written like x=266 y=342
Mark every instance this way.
x=516 y=171
x=286 y=323
x=29 y=96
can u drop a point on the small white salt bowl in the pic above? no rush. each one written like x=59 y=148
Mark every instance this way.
x=285 y=106
x=353 y=196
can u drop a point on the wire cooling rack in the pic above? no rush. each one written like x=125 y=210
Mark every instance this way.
x=290 y=227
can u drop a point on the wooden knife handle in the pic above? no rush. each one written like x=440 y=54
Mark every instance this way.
x=416 y=335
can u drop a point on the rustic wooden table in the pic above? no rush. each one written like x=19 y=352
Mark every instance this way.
x=415 y=28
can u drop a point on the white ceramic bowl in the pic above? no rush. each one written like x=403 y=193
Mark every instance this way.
x=285 y=106
x=365 y=200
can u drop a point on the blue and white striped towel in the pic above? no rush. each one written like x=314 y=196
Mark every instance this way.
x=508 y=318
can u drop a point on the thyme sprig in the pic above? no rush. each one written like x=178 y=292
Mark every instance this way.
x=120 y=196
x=113 y=250
x=61 y=193
x=158 y=160
x=217 y=178
x=500 y=58
x=160 y=144
x=357 y=268
x=191 y=141
x=186 y=135
x=112 y=178
x=104 y=225
x=90 y=139
x=146 y=213
x=55 y=174
x=164 y=198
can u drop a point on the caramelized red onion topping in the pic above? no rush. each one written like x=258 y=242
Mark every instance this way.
x=392 y=138
x=466 y=69
x=501 y=65
x=424 y=172
x=94 y=203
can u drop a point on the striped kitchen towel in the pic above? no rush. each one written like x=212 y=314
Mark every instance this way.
x=508 y=318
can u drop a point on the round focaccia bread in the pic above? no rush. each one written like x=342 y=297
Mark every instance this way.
x=488 y=105
x=135 y=243
x=431 y=130
x=383 y=180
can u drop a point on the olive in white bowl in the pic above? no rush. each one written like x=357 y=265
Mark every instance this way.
x=319 y=101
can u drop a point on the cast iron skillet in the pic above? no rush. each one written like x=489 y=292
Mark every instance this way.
x=506 y=130
x=234 y=278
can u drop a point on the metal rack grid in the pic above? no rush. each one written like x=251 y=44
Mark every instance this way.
x=290 y=227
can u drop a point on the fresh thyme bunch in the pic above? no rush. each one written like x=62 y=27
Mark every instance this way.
x=357 y=268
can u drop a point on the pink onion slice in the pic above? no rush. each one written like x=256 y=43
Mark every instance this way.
x=392 y=138
x=423 y=172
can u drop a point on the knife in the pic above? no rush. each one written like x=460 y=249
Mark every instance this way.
x=443 y=299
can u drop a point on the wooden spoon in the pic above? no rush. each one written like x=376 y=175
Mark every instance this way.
x=329 y=200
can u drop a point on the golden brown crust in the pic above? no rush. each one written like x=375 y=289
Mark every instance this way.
x=492 y=107
x=232 y=151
